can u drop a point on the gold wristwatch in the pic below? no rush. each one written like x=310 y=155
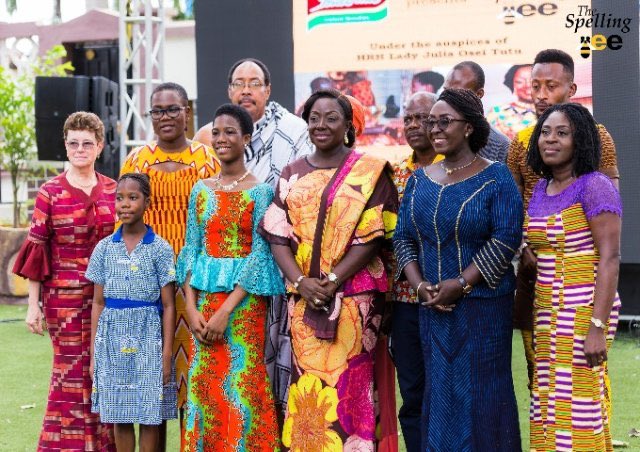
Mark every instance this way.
x=466 y=287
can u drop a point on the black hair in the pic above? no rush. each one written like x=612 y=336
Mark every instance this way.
x=511 y=74
x=586 y=140
x=141 y=179
x=465 y=102
x=171 y=86
x=478 y=73
x=429 y=78
x=556 y=56
x=239 y=113
x=344 y=104
x=260 y=64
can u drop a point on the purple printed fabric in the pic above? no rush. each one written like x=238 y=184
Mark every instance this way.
x=594 y=191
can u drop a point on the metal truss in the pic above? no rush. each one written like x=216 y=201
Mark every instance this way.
x=142 y=35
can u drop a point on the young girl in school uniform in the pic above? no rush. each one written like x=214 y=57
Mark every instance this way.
x=132 y=322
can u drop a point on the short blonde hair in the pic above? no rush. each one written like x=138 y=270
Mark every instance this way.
x=84 y=120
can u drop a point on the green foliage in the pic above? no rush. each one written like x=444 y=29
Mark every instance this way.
x=17 y=121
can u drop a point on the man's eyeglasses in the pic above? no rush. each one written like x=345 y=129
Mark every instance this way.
x=253 y=85
x=172 y=112
x=421 y=118
x=443 y=123
x=86 y=145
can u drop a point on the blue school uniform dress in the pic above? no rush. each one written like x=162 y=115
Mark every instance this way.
x=127 y=377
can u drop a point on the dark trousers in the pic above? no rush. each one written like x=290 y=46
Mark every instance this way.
x=407 y=356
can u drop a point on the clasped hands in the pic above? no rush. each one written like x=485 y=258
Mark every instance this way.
x=207 y=332
x=441 y=296
x=317 y=292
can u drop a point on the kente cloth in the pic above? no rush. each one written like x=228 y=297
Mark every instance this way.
x=469 y=401
x=569 y=399
x=279 y=138
x=167 y=215
x=512 y=117
x=66 y=225
x=401 y=289
x=332 y=392
x=128 y=370
x=229 y=403
x=517 y=163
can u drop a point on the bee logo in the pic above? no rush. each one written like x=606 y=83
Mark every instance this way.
x=509 y=15
x=585 y=46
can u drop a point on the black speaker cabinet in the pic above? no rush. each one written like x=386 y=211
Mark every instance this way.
x=56 y=98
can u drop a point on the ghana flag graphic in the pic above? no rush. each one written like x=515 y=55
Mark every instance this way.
x=321 y=12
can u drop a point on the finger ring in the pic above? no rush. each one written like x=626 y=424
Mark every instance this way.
x=317 y=302
x=437 y=286
x=325 y=308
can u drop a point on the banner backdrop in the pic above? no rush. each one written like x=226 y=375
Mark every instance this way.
x=381 y=51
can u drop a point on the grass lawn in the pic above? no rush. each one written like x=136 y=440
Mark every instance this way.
x=26 y=368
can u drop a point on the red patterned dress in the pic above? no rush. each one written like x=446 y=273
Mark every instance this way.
x=67 y=224
x=230 y=406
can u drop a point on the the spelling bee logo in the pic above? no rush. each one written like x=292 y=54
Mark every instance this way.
x=591 y=17
x=321 y=12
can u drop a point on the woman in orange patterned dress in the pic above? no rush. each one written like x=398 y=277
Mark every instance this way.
x=228 y=273
x=331 y=213
x=174 y=164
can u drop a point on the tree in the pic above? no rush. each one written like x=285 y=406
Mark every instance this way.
x=17 y=121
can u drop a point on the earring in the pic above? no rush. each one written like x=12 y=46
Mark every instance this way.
x=466 y=135
x=346 y=138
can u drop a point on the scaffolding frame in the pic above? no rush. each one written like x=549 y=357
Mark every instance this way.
x=142 y=37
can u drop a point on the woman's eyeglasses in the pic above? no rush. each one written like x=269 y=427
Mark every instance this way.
x=86 y=145
x=171 y=112
x=443 y=123
x=253 y=85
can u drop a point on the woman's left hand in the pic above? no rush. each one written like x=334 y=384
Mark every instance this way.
x=595 y=347
x=216 y=325
x=166 y=368
x=444 y=295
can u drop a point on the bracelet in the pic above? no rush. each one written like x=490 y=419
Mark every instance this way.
x=418 y=288
x=298 y=281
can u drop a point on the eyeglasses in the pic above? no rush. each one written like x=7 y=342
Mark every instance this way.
x=443 y=123
x=171 y=112
x=419 y=117
x=86 y=145
x=253 y=85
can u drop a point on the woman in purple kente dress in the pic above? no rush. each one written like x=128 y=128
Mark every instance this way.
x=573 y=226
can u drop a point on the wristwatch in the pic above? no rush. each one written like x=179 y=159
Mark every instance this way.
x=333 y=278
x=297 y=283
x=466 y=287
x=598 y=323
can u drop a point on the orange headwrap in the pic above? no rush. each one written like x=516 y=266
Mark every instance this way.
x=358 y=114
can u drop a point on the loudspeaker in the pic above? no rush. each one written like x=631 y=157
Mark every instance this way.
x=56 y=98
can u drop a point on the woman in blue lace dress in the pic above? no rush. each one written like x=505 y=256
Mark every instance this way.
x=227 y=272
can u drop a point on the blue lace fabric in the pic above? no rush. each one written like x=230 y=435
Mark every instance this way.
x=222 y=247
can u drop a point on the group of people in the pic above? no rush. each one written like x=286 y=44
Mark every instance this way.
x=255 y=272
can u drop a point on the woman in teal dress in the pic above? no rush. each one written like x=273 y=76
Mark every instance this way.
x=227 y=272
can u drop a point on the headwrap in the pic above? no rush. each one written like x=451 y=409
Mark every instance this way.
x=358 y=114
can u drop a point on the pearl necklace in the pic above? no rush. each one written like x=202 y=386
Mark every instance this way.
x=450 y=171
x=230 y=186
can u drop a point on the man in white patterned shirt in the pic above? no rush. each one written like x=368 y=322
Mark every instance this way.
x=279 y=136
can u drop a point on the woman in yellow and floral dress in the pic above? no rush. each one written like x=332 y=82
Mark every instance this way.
x=330 y=217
